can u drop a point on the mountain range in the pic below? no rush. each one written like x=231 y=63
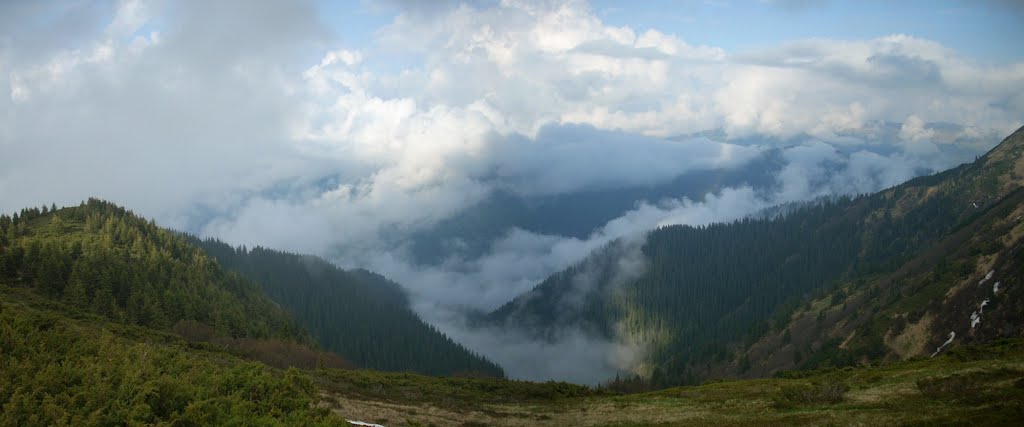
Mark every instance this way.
x=107 y=317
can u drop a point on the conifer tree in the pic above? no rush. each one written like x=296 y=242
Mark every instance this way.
x=75 y=295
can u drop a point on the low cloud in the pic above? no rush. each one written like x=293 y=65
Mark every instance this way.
x=572 y=355
x=444 y=294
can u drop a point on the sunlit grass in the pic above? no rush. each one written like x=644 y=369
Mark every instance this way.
x=991 y=379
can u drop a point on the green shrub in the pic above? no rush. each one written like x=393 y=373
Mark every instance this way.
x=950 y=387
x=828 y=392
x=969 y=385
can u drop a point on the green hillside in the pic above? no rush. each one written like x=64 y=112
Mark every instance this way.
x=706 y=294
x=102 y=259
x=968 y=284
x=357 y=314
x=60 y=366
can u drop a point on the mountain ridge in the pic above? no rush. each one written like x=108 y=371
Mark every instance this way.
x=804 y=254
x=358 y=314
x=103 y=258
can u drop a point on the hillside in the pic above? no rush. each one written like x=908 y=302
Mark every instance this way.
x=89 y=297
x=63 y=366
x=697 y=297
x=357 y=314
x=102 y=259
x=964 y=289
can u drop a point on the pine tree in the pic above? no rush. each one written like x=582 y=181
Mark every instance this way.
x=75 y=295
x=57 y=224
x=8 y=269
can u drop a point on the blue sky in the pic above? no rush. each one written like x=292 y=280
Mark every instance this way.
x=979 y=28
x=988 y=31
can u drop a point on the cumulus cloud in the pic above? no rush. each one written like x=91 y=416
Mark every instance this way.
x=913 y=129
x=574 y=68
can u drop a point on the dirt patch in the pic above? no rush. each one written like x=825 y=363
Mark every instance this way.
x=582 y=412
x=387 y=413
x=846 y=341
x=983 y=266
x=881 y=393
x=914 y=339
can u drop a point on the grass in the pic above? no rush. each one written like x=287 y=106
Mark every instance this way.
x=972 y=385
x=446 y=391
x=824 y=393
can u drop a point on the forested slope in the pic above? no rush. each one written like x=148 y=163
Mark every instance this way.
x=103 y=259
x=89 y=296
x=967 y=288
x=702 y=293
x=357 y=314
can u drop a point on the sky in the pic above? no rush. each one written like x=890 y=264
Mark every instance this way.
x=343 y=128
x=988 y=30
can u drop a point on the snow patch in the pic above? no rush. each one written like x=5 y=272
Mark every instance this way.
x=948 y=342
x=995 y=288
x=987 y=276
x=975 y=320
x=363 y=423
x=981 y=308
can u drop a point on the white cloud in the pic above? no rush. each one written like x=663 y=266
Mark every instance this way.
x=576 y=69
x=130 y=16
x=148 y=122
x=913 y=129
